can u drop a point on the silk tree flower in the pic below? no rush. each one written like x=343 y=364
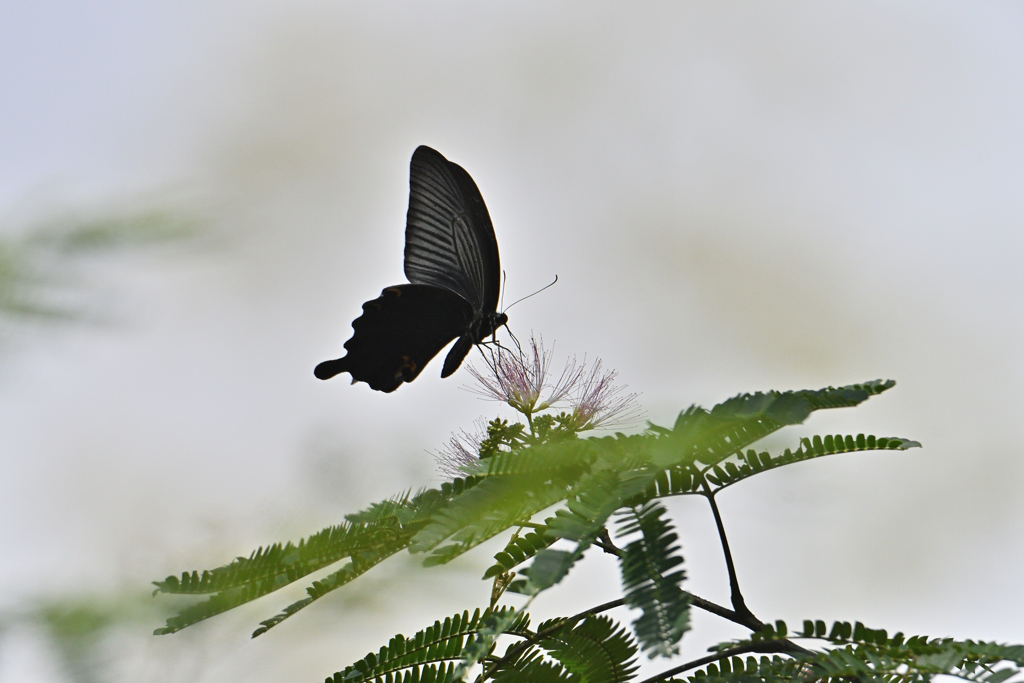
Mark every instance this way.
x=520 y=379
x=599 y=404
x=462 y=452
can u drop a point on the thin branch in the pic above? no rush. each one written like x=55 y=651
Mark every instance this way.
x=612 y=604
x=763 y=647
x=738 y=604
x=518 y=649
x=716 y=609
x=785 y=646
x=501 y=582
x=695 y=600
x=604 y=542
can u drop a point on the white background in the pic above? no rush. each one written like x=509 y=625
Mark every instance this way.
x=735 y=197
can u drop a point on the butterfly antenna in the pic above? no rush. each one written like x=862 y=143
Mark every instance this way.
x=529 y=295
x=504 y=284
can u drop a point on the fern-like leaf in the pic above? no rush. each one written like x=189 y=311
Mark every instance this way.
x=359 y=565
x=652 y=580
x=442 y=644
x=482 y=645
x=675 y=481
x=368 y=538
x=728 y=473
x=710 y=436
x=793 y=407
x=596 y=650
x=428 y=673
x=620 y=473
x=489 y=508
x=554 y=459
x=861 y=653
x=700 y=437
x=534 y=668
x=276 y=562
x=290 y=561
x=750 y=670
x=388 y=544
x=519 y=484
x=518 y=550
x=594 y=499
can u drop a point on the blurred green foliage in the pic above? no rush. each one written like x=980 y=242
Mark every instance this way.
x=39 y=261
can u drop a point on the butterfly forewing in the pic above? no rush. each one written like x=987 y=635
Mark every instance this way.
x=449 y=239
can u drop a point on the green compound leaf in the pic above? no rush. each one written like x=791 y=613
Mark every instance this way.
x=441 y=646
x=862 y=653
x=710 y=436
x=518 y=550
x=752 y=462
x=593 y=500
x=489 y=508
x=596 y=650
x=366 y=538
x=652 y=580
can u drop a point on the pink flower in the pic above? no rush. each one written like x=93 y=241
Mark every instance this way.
x=598 y=403
x=461 y=453
x=519 y=379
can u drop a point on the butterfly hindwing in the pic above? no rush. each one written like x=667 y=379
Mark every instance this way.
x=449 y=239
x=398 y=333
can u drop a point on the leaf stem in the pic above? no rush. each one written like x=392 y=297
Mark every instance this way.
x=695 y=600
x=604 y=542
x=783 y=646
x=519 y=648
x=738 y=604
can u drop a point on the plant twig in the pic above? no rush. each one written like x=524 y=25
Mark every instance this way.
x=738 y=604
x=783 y=646
x=604 y=542
x=716 y=609
x=516 y=650
x=695 y=600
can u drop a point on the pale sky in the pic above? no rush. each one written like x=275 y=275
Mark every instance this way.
x=735 y=197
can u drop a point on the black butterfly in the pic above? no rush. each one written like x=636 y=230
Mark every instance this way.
x=451 y=259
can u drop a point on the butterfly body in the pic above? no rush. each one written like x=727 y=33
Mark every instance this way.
x=451 y=260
